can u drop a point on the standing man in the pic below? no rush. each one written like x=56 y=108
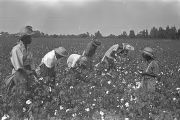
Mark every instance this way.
x=47 y=66
x=111 y=55
x=150 y=72
x=150 y=75
x=21 y=58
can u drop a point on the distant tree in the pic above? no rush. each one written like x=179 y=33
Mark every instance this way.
x=173 y=32
x=154 y=33
x=37 y=33
x=98 y=35
x=142 y=34
x=161 y=33
x=124 y=34
x=167 y=32
x=111 y=36
x=84 y=35
x=178 y=34
x=146 y=33
x=131 y=34
x=4 y=33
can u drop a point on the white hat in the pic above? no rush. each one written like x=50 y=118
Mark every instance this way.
x=148 y=51
x=127 y=46
x=61 y=51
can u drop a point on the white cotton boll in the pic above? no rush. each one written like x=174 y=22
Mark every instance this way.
x=109 y=82
x=177 y=88
x=94 y=99
x=71 y=87
x=101 y=113
x=55 y=113
x=61 y=108
x=126 y=119
x=107 y=92
x=174 y=99
x=123 y=81
x=74 y=115
x=67 y=110
x=127 y=104
x=138 y=84
x=126 y=72
x=93 y=104
x=24 y=109
x=41 y=78
x=5 y=117
x=28 y=102
x=50 y=89
x=87 y=109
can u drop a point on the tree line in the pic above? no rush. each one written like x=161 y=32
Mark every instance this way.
x=155 y=33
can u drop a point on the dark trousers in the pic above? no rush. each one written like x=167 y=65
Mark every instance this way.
x=49 y=74
x=109 y=63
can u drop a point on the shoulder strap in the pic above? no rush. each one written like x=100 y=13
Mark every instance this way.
x=148 y=66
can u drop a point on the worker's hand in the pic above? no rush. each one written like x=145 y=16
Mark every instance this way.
x=29 y=72
x=97 y=65
x=38 y=71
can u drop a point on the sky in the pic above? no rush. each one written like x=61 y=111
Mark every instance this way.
x=80 y=16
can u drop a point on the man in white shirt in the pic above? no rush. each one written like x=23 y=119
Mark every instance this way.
x=47 y=66
x=72 y=60
x=21 y=59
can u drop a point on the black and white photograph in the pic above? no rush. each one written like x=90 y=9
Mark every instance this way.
x=89 y=59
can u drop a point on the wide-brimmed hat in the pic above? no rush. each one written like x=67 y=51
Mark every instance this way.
x=27 y=30
x=148 y=51
x=127 y=46
x=61 y=51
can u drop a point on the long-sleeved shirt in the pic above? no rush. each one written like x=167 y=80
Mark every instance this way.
x=49 y=59
x=110 y=51
x=20 y=57
x=72 y=60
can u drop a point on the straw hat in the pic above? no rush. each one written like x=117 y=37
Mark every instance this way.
x=61 y=51
x=127 y=46
x=148 y=51
x=27 y=30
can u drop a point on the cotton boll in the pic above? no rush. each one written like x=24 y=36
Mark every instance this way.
x=87 y=109
x=61 y=108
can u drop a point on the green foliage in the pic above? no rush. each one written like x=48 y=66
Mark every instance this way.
x=83 y=96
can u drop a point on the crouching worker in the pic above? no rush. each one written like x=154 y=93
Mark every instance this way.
x=90 y=51
x=21 y=60
x=83 y=61
x=112 y=54
x=46 y=69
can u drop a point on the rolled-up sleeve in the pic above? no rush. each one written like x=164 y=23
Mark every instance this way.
x=17 y=59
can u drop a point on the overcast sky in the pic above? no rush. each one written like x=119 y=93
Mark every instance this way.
x=79 y=16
